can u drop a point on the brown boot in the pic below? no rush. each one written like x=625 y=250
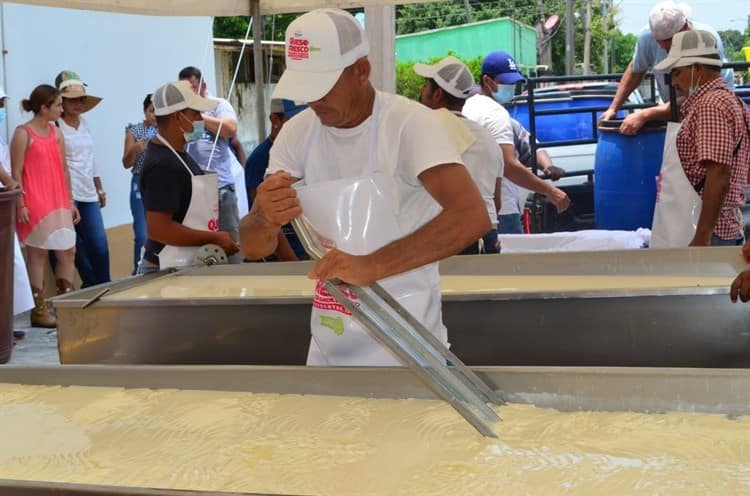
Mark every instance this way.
x=64 y=286
x=40 y=316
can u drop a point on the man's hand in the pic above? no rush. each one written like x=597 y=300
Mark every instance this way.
x=226 y=242
x=102 y=198
x=554 y=172
x=352 y=269
x=559 y=199
x=633 y=123
x=746 y=251
x=608 y=114
x=741 y=288
x=277 y=199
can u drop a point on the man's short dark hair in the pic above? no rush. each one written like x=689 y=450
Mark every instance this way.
x=449 y=99
x=189 y=72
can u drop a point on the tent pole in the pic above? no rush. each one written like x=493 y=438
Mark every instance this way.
x=260 y=99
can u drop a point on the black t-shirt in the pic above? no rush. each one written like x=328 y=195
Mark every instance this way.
x=165 y=187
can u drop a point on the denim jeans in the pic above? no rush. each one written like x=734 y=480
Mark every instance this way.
x=139 y=220
x=92 y=252
x=717 y=241
x=509 y=224
x=490 y=242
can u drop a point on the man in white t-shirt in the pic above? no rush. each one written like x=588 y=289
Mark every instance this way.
x=349 y=136
x=221 y=120
x=499 y=78
x=446 y=86
x=665 y=20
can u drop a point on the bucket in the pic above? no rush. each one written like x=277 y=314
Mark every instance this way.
x=625 y=172
x=7 y=231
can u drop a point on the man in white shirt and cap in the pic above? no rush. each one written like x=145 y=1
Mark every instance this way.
x=381 y=181
x=446 y=86
x=665 y=20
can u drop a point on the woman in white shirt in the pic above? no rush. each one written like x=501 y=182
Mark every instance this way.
x=92 y=251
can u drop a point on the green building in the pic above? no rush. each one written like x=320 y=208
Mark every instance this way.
x=469 y=41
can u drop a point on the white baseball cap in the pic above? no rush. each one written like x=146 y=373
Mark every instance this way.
x=450 y=74
x=667 y=19
x=691 y=47
x=176 y=96
x=319 y=46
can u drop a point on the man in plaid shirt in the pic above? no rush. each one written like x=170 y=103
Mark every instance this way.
x=714 y=141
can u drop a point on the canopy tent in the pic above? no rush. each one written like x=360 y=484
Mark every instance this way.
x=217 y=8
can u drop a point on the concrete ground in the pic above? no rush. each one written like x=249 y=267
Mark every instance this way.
x=39 y=347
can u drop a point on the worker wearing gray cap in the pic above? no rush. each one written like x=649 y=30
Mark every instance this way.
x=654 y=41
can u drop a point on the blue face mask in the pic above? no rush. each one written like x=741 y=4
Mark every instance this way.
x=504 y=93
x=198 y=129
x=3 y=114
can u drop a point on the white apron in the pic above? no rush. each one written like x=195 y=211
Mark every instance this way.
x=22 y=298
x=360 y=215
x=678 y=206
x=202 y=214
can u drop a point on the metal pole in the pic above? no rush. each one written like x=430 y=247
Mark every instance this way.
x=569 y=39
x=605 y=26
x=587 y=39
x=260 y=98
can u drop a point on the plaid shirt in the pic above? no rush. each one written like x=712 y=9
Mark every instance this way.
x=715 y=128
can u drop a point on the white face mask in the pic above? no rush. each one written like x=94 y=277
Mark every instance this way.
x=693 y=87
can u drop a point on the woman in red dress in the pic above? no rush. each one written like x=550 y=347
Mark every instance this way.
x=45 y=213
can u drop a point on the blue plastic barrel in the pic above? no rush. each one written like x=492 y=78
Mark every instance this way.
x=562 y=127
x=548 y=127
x=584 y=128
x=625 y=172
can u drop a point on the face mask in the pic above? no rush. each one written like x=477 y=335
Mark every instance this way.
x=198 y=129
x=3 y=114
x=504 y=93
x=693 y=87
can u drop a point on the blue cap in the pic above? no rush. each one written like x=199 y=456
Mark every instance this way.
x=502 y=65
x=289 y=108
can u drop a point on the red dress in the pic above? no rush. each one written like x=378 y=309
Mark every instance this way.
x=45 y=194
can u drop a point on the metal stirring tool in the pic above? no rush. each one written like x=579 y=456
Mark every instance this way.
x=393 y=326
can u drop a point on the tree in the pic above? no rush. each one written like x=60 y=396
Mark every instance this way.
x=733 y=41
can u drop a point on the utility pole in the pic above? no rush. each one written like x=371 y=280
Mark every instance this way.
x=587 y=39
x=467 y=7
x=569 y=39
x=605 y=26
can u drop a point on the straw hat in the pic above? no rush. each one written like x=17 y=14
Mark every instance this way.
x=71 y=86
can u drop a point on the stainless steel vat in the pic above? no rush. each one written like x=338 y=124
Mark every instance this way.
x=682 y=327
x=723 y=391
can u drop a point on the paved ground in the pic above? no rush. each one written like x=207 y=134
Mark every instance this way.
x=39 y=347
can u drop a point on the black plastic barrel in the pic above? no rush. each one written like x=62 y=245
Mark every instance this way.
x=7 y=231
x=625 y=172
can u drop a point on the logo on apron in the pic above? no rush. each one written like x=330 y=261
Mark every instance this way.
x=324 y=301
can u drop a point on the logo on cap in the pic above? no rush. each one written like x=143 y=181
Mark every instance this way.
x=299 y=49
x=512 y=65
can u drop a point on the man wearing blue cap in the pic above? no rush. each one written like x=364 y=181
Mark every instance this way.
x=498 y=86
x=289 y=248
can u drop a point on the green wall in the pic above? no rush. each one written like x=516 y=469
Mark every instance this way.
x=469 y=41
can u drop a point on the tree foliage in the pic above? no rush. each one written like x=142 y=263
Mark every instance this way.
x=733 y=41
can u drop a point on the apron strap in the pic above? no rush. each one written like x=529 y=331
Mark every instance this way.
x=166 y=143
